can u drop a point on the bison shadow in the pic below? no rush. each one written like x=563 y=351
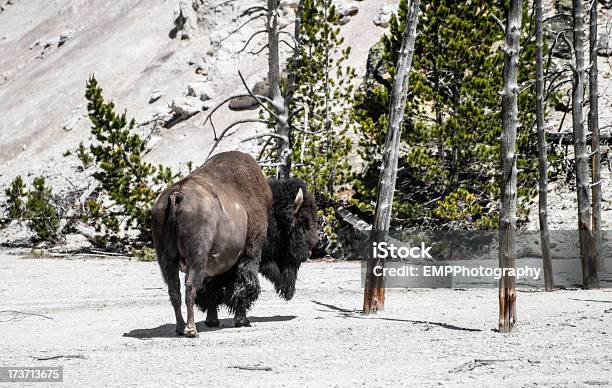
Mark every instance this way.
x=167 y=330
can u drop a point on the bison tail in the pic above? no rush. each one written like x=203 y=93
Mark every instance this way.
x=169 y=234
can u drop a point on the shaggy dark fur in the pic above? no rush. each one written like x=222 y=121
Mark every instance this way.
x=290 y=238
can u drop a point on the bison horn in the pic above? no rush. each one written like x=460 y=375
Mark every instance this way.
x=299 y=198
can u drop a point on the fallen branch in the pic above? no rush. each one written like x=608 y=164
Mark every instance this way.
x=60 y=356
x=21 y=315
x=246 y=367
x=471 y=365
x=567 y=138
x=356 y=222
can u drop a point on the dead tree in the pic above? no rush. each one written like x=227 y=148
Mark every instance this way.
x=507 y=211
x=374 y=291
x=276 y=105
x=588 y=253
x=594 y=130
x=279 y=103
x=542 y=153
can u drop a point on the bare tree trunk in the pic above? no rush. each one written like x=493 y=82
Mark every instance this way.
x=542 y=154
x=278 y=102
x=374 y=293
x=507 y=212
x=594 y=129
x=588 y=255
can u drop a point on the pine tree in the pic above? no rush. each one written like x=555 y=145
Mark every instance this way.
x=453 y=122
x=15 y=195
x=125 y=178
x=322 y=103
x=42 y=216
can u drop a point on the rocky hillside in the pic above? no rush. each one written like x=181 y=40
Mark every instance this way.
x=167 y=62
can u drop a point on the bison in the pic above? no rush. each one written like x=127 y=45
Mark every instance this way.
x=221 y=225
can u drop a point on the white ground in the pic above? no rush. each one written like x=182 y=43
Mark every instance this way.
x=109 y=322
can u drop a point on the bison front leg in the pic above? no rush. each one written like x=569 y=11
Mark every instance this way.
x=246 y=290
x=212 y=319
x=193 y=281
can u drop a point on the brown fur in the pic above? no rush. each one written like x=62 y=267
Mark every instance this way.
x=211 y=221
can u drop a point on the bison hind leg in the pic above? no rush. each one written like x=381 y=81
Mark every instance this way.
x=170 y=271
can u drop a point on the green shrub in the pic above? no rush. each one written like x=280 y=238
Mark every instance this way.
x=15 y=198
x=42 y=215
x=145 y=254
x=84 y=156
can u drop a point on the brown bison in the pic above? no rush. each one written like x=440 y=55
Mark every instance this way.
x=221 y=225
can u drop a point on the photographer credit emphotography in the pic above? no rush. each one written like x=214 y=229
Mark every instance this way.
x=305 y=193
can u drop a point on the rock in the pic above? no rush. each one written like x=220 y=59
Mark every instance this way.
x=243 y=103
x=604 y=44
x=200 y=90
x=563 y=5
x=201 y=70
x=344 y=20
x=383 y=18
x=187 y=18
x=376 y=76
x=261 y=88
x=284 y=4
x=51 y=42
x=64 y=37
x=208 y=104
x=69 y=125
x=155 y=95
x=348 y=11
x=196 y=59
x=186 y=107
x=163 y=114
x=282 y=23
x=604 y=52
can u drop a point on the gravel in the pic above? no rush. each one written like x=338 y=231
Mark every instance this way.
x=109 y=322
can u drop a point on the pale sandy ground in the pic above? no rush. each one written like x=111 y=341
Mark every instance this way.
x=110 y=323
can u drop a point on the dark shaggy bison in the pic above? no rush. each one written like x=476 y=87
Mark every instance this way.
x=222 y=225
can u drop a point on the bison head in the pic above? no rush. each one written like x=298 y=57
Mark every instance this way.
x=292 y=233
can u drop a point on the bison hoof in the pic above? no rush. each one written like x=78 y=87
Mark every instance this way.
x=242 y=322
x=212 y=323
x=180 y=330
x=191 y=332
